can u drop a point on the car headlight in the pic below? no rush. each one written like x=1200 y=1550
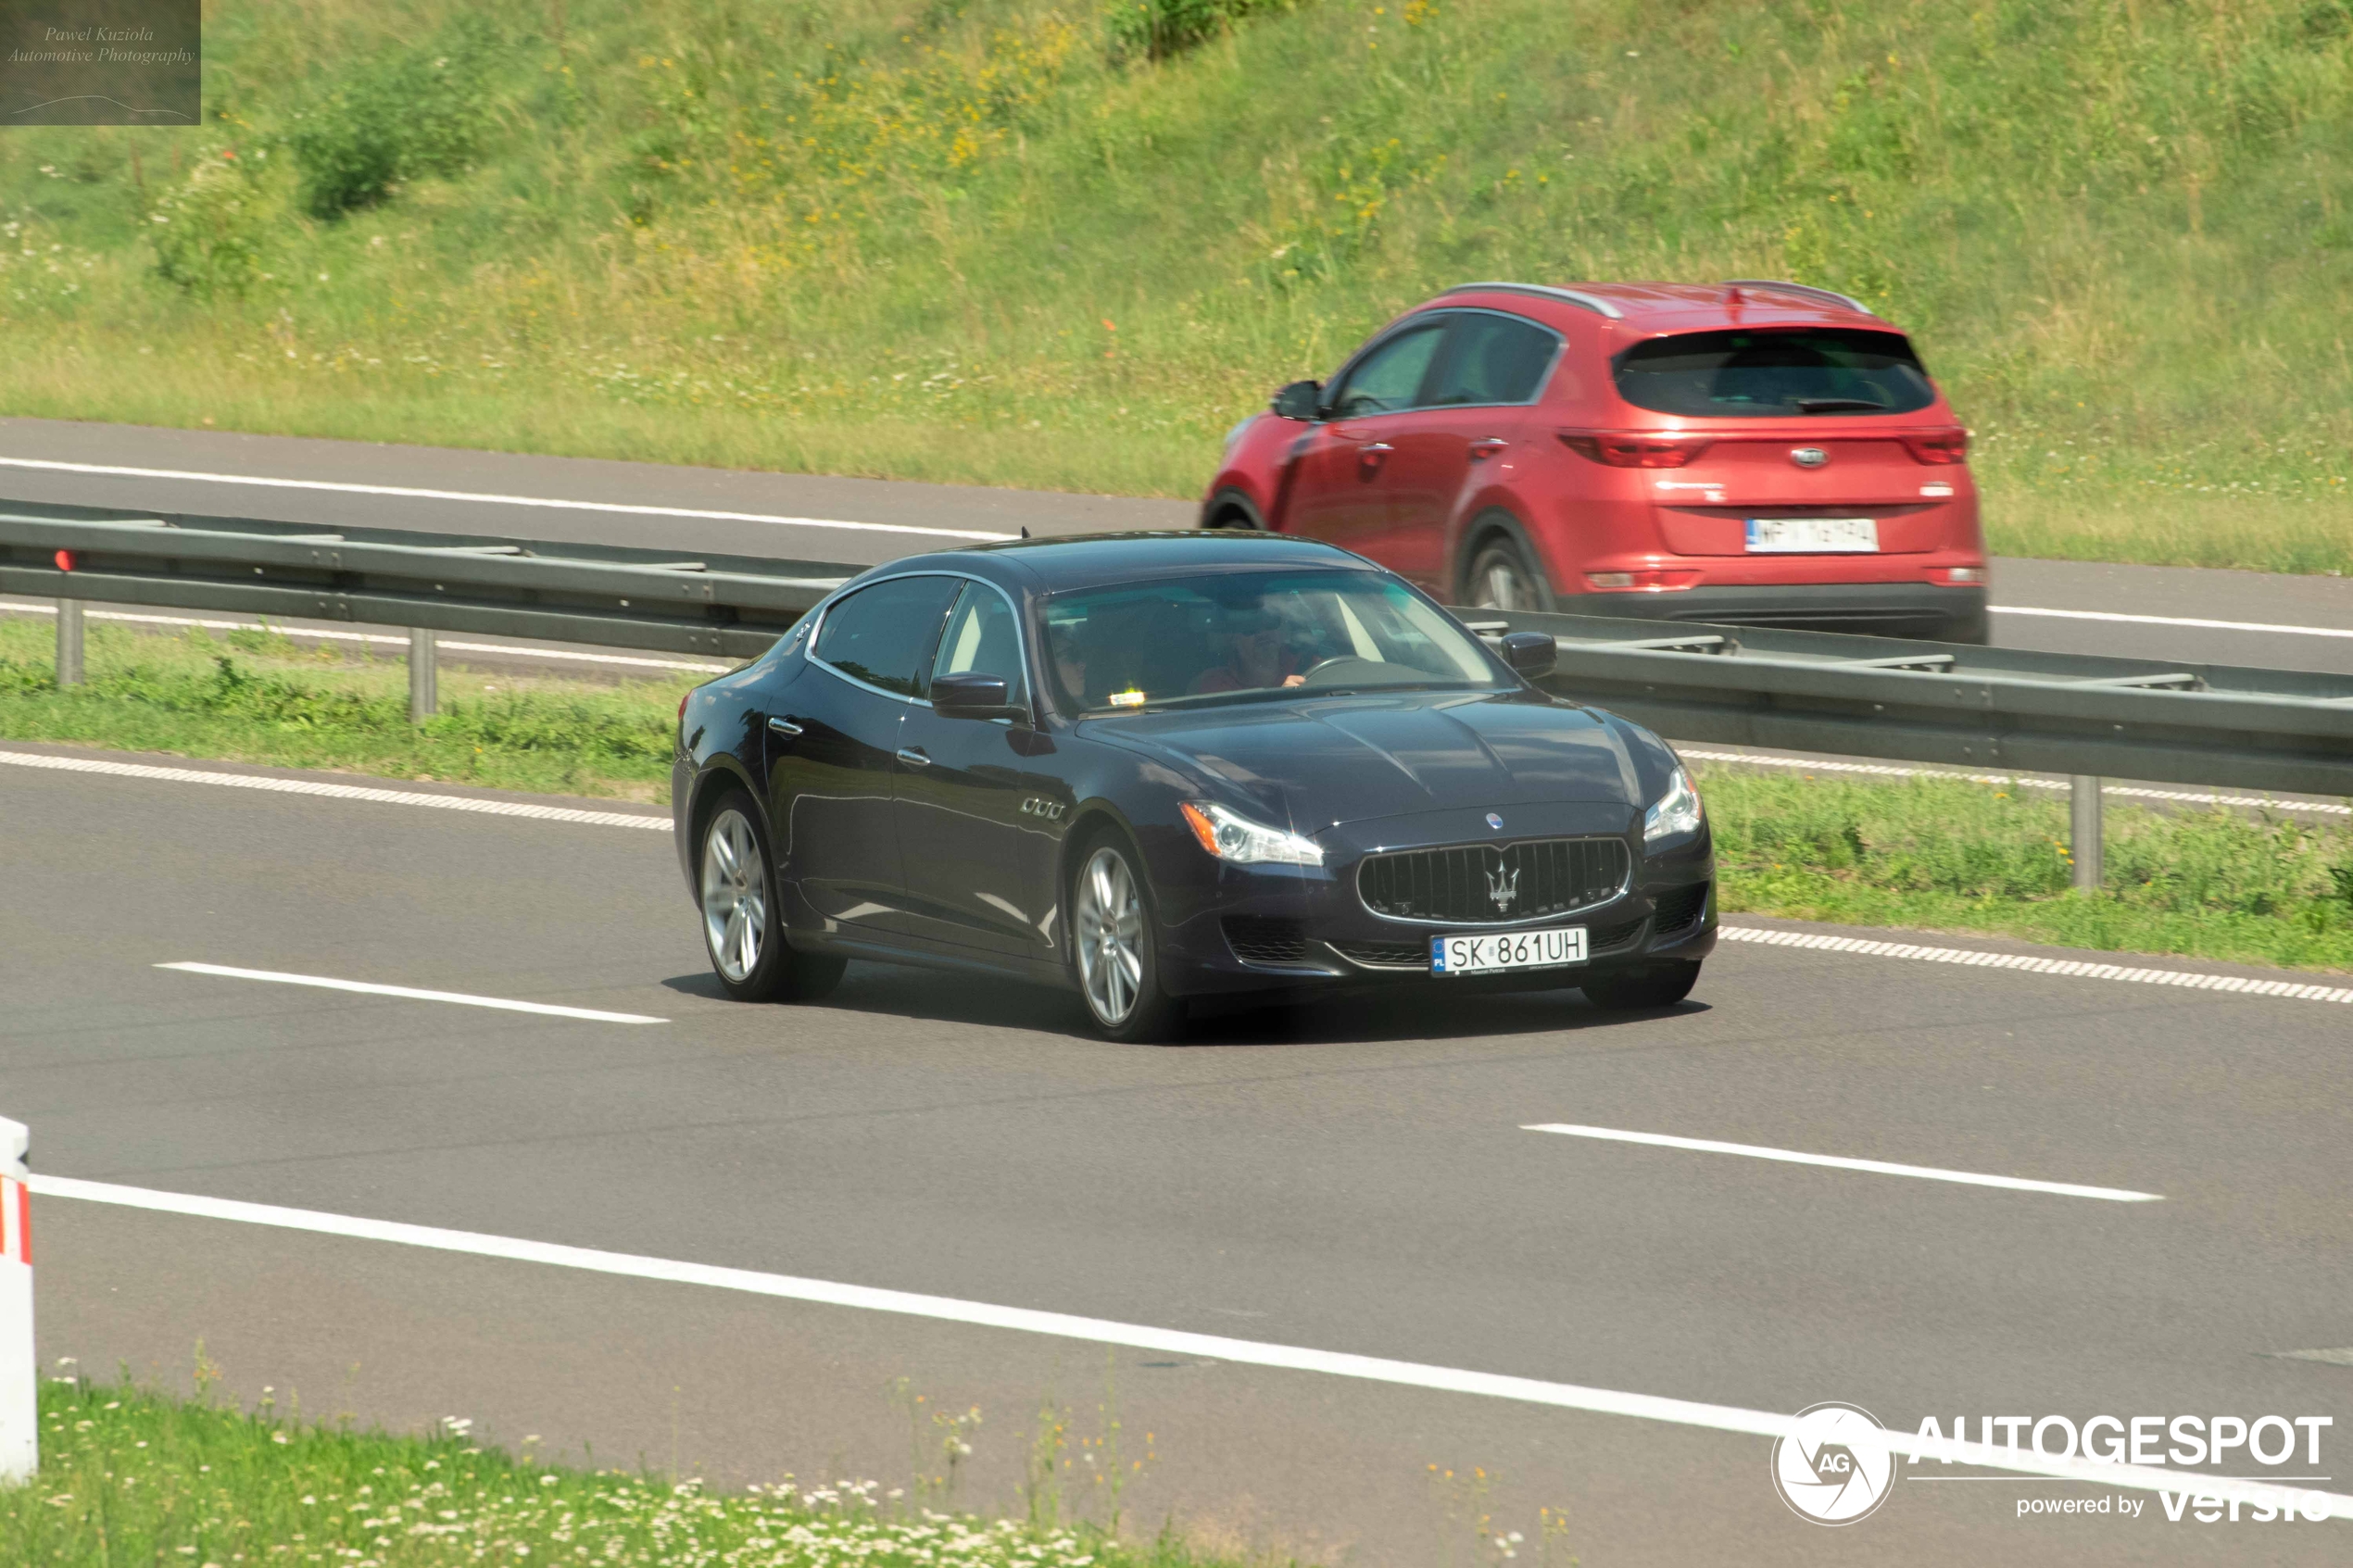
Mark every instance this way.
x=1229 y=836
x=1676 y=812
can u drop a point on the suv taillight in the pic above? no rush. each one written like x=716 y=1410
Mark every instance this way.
x=1636 y=448
x=1937 y=446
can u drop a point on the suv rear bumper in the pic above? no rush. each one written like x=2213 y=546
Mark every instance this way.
x=1880 y=609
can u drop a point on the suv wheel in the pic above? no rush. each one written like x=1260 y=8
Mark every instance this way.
x=1501 y=577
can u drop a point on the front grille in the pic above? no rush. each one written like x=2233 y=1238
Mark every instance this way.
x=1386 y=955
x=1677 y=910
x=1265 y=939
x=1608 y=937
x=1460 y=885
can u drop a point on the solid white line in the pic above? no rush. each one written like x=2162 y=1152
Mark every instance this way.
x=543 y=501
x=335 y=791
x=2072 y=968
x=2024 y=780
x=2173 y=621
x=378 y=638
x=1103 y=1331
x=1839 y=1162
x=412 y=993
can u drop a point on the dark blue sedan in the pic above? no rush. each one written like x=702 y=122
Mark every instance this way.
x=1155 y=768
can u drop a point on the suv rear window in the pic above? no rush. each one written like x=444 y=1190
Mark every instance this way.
x=1762 y=374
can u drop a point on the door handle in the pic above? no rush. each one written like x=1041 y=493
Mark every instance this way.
x=1375 y=449
x=1487 y=447
x=913 y=757
x=783 y=726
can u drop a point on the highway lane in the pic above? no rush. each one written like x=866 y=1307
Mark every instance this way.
x=2174 y=595
x=1354 y=1180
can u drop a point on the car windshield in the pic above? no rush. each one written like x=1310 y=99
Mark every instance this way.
x=1238 y=635
x=1776 y=374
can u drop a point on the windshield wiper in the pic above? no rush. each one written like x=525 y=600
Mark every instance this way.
x=1837 y=405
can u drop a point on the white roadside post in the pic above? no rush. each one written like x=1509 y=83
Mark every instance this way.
x=424 y=694
x=20 y=1373
x=2083 y=817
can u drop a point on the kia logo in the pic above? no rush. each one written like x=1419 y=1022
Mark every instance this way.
x=1808 y=457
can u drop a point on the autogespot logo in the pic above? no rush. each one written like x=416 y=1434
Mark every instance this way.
x=1835 y=1467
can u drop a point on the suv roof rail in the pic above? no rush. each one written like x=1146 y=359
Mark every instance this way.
x=1807 y=290
x=1595 y=302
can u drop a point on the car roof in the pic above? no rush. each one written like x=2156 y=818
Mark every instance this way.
x=1087 y=561
x=1646 y=308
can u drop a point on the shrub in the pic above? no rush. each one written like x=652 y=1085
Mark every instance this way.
x=395 y=119
x=1153 y=29
x=207 y=232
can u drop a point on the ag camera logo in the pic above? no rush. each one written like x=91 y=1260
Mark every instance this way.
x=1833 y=1467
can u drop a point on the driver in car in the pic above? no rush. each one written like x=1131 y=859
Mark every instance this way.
x=1257 y=656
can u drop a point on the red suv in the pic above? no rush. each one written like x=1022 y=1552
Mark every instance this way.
x=1761 y=453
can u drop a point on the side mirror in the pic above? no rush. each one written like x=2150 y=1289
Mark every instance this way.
x=1530 y=653
x=1299 y=400
x=973 y=696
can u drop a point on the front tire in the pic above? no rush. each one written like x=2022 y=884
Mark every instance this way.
x=1643 y=988
x=743 y=928
x=1115 y=944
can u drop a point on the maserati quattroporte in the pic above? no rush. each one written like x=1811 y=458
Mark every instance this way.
x=1159 y=767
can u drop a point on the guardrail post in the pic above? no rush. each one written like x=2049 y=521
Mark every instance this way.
x=2084 y=828
x=20 y=1372
x=422 y=693
x=69 y=671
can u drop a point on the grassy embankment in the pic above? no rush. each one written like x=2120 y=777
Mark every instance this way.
x=1941 y=853
x=131 y=1476
x=981 y=242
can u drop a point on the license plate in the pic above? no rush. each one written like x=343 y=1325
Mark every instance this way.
x=1519 y=949
x=1801 y=535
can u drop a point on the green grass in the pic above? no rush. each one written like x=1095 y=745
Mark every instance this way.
x=250 y=696
x=131 y=1476
x=999 y=241
x=1948 y=854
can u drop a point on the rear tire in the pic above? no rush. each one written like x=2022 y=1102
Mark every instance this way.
x=743 y=930
x=1501 y=577
x=1114 y=946
x=1643 y=988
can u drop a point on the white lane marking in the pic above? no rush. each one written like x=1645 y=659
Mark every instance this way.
x=334 y=791
x=416 y=493
x=1142 y=1336
x=1839 y=1162
x=2172 y=621
x=410 y=993
x=564 y=656
x=2074 y=968
x=2024 y=780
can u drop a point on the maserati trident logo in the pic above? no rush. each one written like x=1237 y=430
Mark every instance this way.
x=1808 y=457
x=1501 y=887
x=1494 y=822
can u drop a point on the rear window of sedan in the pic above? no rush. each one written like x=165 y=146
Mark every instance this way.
x=1775 y=373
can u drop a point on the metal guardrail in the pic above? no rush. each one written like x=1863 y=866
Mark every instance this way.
x=734 y=606
x=2005 y=709
x=1985 y=708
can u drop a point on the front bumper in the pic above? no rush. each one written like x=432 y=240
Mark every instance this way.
x=1307 y=932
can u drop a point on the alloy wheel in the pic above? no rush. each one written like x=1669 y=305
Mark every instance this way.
x=734 y=895
x=1110 y=936
x=1500 y=580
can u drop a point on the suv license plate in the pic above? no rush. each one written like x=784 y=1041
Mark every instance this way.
x=1804 y=535
x=1520 y=949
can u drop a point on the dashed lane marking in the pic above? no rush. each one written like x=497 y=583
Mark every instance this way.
x=410 y=993
x=1839 y=1162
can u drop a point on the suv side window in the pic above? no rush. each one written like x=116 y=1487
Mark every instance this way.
x=884 y=635
x=1492 y=358
x=983 y=639
x=1390 y=378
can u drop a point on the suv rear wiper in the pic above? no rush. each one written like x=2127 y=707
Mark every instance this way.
x=1837 y=405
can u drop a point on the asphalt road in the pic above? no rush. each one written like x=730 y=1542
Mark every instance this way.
x=321 y=475
x=1353 y=1180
